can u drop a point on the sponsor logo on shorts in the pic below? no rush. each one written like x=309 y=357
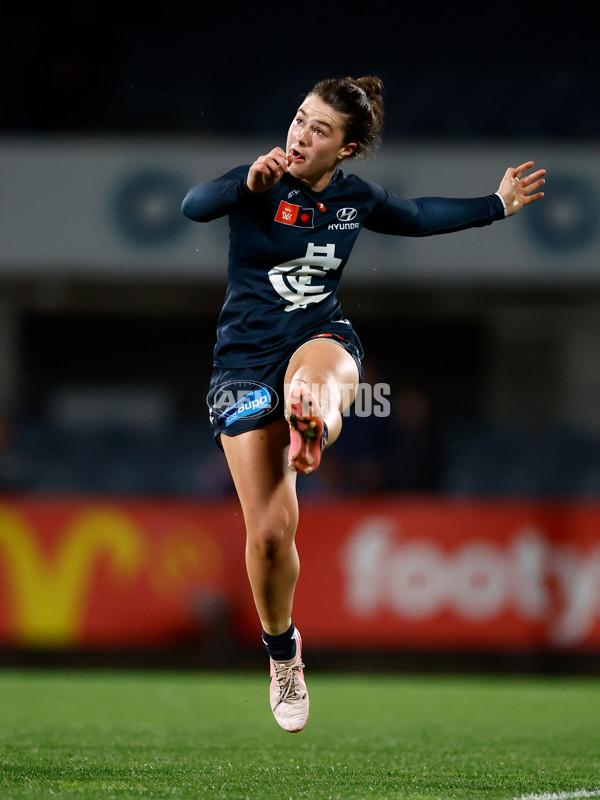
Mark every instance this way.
x=234 y=400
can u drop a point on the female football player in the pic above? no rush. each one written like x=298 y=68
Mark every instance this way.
x=287 y=363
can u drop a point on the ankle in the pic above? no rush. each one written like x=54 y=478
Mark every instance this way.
x=282 y=646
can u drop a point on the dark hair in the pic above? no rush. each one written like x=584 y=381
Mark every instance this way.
x=361 y=101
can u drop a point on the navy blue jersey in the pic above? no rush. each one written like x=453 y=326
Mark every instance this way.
x=288 y=247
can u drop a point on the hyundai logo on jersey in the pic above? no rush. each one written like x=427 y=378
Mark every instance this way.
x=346 y=214
x=238 y=399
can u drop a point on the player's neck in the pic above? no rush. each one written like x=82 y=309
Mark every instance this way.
x=317 y=183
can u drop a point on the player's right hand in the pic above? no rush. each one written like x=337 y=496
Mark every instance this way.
x=267 y=170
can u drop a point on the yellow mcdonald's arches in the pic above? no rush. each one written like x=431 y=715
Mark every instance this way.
x=47 y=596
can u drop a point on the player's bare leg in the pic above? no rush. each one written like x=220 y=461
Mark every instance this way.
x=267 y=492
x=321 y=382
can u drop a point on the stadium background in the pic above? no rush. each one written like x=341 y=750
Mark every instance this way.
x=466 y=523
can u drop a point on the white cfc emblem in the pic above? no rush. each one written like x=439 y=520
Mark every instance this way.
x=293 y=280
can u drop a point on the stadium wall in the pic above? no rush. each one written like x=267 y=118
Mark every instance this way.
x=110 y=208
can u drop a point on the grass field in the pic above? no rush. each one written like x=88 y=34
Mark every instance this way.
x=165 y=735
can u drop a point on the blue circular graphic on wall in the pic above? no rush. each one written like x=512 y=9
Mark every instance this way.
x=147 y=207
x=567 y=218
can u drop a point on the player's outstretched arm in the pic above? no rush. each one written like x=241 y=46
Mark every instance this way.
x=267 y=170
x=518 y=190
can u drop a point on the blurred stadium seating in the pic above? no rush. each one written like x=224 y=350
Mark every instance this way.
x=179 y=458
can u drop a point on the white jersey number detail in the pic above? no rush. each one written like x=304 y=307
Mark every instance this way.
x=293 y=279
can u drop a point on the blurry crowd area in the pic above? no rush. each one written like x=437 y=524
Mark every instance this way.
x=115 y=406
x=407 y=452
x=131 y=443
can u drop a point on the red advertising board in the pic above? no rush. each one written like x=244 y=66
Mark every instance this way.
x=386 y=573
x=459 y=575
x=116 y=574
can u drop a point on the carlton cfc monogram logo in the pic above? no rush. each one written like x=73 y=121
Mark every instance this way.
x=303 y=281
x=291 y=214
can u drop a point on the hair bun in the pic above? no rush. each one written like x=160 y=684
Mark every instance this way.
x=371 y=85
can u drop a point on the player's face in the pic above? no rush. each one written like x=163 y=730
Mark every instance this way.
x=316 y=142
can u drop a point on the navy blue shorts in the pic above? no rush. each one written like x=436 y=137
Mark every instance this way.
x=242 y=399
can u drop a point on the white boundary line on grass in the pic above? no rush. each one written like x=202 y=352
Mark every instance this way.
x=560 y=795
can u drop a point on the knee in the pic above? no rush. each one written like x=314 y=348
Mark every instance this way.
x=319 y=382
x=271 y=535
x=311 y=375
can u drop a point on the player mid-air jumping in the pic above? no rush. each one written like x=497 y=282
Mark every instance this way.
x=287 y=363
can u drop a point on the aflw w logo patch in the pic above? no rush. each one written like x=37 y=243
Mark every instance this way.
x=290 y=214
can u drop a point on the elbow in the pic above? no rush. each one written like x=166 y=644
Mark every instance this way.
x=187 y=206
x=203 y=203
x=196 y=205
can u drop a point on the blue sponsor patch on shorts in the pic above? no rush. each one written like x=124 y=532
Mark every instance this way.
x=251 y=404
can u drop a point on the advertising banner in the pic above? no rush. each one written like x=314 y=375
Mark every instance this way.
x=458 y=575
x=377 y=573
x=76 y=573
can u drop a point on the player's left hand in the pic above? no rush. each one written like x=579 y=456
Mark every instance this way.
x=517 y=188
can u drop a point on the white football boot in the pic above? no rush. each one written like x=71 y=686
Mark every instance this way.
x=288 y=693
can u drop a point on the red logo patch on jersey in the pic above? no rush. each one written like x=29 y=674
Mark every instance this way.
x=321 y=207
x=287 y=213
x=290 y=214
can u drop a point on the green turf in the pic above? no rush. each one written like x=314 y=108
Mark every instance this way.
x=131 y=735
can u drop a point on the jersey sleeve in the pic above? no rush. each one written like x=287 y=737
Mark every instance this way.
x=426 y=216
x=219 y=197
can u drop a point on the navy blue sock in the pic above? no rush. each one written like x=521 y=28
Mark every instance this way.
x=281 y=647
